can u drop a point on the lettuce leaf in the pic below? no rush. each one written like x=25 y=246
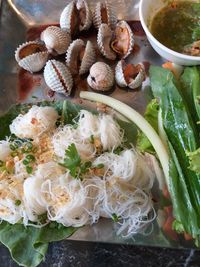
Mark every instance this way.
x=151 y=115
x=28 y=245
x=194 y=158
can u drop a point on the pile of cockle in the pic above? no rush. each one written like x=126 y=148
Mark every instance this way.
x=114 y=39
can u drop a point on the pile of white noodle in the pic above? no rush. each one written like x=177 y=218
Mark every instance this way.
x=116 y=185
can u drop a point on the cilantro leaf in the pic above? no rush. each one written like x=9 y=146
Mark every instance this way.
x=73 y=162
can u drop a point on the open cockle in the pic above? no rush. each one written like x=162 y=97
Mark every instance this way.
x=85 y=15
x=58 y=77
x=31 y=56
x=76 y=16
x=104 y=38
x=123 y=40
x=129 y=75
x=80 y=57
x=104 y=13
x=56 y=40
x=101 y=77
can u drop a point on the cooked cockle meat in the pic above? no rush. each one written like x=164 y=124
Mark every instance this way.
x=123 y=39
x=129 y=75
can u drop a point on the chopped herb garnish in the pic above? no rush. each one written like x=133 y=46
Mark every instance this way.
x=18 y=202
x=13 y=146
x=25 y=162
x=85 y=167
x=73 y=162
x=29 y=169
x=30 y=158
x=115 y=218
x=27 y=147
x=99 y=166
x=1 y=163
x=14 y=154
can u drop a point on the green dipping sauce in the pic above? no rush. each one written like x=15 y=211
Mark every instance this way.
x=177 y=25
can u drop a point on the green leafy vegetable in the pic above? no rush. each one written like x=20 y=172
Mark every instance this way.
x=151 y=115
x=190 y=88
x=28 y=245
x=196 y=34
x=182 y=136
x=194 y=158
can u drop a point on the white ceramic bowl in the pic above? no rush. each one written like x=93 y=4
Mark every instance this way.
x=147 y=10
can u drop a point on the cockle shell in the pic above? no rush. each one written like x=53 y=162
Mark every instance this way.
x=58 y=77
x=104 y=13
x=80 y=57
x=124 y=72
x=123 y=41
x=101 y=77
x=76 y=16
x=85 y=15
x=104 y=38
x=69 y=18
x=31 y=56
x=56 y=40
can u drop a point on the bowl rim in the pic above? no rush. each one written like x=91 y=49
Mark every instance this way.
x=160 y=45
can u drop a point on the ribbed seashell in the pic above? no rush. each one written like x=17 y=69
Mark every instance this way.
x=89 y=57
x=122 y=70
x=76 y=16
x=85 y=15
x=104 y=38
x=56 y=40
x=101 y=77
x=104 y=13
x=123 y=35
x=69 y=19
x=80 y=57
x=58 y=77
x=31 y=56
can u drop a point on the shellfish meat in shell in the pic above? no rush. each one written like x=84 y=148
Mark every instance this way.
x=85 y=15
x=31 y=56
x=104 y=13
x=80 y=57
x=129 y=75
x=56 y=40
x=76 y=16
x=58 y=77
x=123 y=40
x=101 y=77
x=104 y=38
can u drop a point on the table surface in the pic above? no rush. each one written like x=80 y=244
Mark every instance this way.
x=88 y=254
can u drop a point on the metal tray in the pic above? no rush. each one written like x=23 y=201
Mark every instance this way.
x=22 y=19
